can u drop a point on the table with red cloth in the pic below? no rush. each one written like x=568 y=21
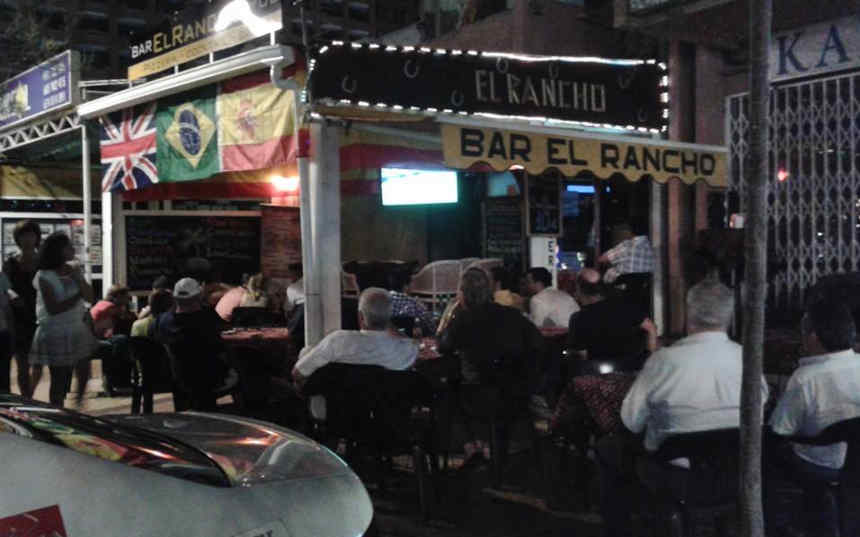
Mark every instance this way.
x=273 y=342
x=593 y=403
x=427 y=349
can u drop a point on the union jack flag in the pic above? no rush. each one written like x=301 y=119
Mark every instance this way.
x=128 y=147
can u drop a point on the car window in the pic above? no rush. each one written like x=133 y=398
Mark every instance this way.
x=113 y=442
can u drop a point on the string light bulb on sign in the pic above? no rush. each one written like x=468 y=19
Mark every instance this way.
x=624 y=94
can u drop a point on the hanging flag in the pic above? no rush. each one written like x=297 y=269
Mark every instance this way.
x=257 y=124
x=188 y=136
x=128 y=149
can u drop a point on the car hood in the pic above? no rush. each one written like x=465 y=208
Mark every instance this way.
x=249 y=452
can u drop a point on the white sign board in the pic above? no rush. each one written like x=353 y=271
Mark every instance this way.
x=812 y=50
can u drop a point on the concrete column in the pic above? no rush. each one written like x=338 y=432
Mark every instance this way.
x=323 y=273
x=108 y=270
x=87 y=199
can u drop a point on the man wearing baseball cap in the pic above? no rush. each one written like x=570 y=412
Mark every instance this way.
x=191 y=333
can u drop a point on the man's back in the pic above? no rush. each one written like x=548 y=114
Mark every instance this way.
x=489 y=336
x=610 y=328
x=825 y=389
x=365 y=347
x=693 y=385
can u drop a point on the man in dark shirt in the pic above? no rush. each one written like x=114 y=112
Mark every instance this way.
x=610 y=328
x=192 y=335
x=498 y=350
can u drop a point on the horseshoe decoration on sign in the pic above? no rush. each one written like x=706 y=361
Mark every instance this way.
x=624 y=80
x=502 y=65
x=411 y=73
x=642 y=114
x=457 y=98
x=346 y=86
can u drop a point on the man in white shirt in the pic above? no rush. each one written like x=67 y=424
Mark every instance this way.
x=693 y=385
x=548 y=306
x=374 y=344
x=825 y=389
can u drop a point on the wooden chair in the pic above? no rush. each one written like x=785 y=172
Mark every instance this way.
x=349 y=285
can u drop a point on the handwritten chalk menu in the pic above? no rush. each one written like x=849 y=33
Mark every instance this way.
x=157 y=245
x=503 y=231
x=544 y=203
x=281 y=240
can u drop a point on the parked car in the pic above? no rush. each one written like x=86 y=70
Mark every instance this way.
x=190 y=474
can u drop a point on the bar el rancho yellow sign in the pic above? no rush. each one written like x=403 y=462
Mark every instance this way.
x=465 y=146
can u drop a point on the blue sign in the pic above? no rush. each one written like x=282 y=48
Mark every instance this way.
x=47 y=87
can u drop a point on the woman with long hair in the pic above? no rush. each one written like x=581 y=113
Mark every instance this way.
x=21 y=268
x=63 y=340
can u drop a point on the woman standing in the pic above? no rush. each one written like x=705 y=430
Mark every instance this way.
x=20 y=269
x=63 y=340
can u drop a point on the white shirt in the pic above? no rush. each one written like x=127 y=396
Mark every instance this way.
x=369 y=347
x=552 y=307
x=824 y=389
x=295 y=294
x=693 y=385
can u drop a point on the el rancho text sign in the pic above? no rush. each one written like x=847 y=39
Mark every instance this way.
x=464 y=147
x=197 y=31
x=627 y=93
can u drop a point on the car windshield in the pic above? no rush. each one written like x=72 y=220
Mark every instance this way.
x=249 y=452
x=111 y=441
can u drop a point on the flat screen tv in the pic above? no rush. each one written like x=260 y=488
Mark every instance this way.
x=404 y=186
x=502 y=184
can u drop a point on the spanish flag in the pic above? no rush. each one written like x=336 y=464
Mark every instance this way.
x=257 y=123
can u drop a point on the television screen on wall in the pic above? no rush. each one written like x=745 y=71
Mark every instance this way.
x=404 y=186
x=502 y=184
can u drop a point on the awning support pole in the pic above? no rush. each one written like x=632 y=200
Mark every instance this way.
x=323 y=287
x=88 y=200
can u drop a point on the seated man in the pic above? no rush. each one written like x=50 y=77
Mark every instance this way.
x=372 y=345
x=405 y=306
x=609 y=328
x=498 y=353
x=502 y=293
x=825 y=389
x=548 y=306
x=693 y=385
x=192 y=334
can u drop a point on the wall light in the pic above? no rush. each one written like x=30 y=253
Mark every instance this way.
x=285 y=184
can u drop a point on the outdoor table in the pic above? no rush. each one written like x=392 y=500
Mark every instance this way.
x=272 y=344
x=427 y=349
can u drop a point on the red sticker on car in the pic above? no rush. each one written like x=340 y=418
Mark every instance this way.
x=45 y=522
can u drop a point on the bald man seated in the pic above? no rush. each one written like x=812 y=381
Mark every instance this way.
x=609 y=327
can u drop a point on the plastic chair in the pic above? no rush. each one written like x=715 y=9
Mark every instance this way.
x=467 y=262
x=849 y=477
x=711 y=480
x=393 y=418
x=151 y=372
x=486 y=264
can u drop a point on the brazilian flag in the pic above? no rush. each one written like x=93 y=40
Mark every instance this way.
x=187 y=130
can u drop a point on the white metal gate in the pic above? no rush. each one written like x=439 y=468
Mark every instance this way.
x=814 y=190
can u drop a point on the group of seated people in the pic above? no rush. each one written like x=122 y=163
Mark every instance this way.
x=692 y=385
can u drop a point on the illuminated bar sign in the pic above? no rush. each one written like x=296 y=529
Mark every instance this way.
x=201 y=30
x=48 y=87
x=595 y=91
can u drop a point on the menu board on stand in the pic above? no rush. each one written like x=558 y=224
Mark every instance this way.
x=280 y=240
x=503 y=232
x=543 y=198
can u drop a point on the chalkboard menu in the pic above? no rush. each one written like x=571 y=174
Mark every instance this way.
x=503 y=231
x=157 y=245
x=281 y=243
x=544 y=203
